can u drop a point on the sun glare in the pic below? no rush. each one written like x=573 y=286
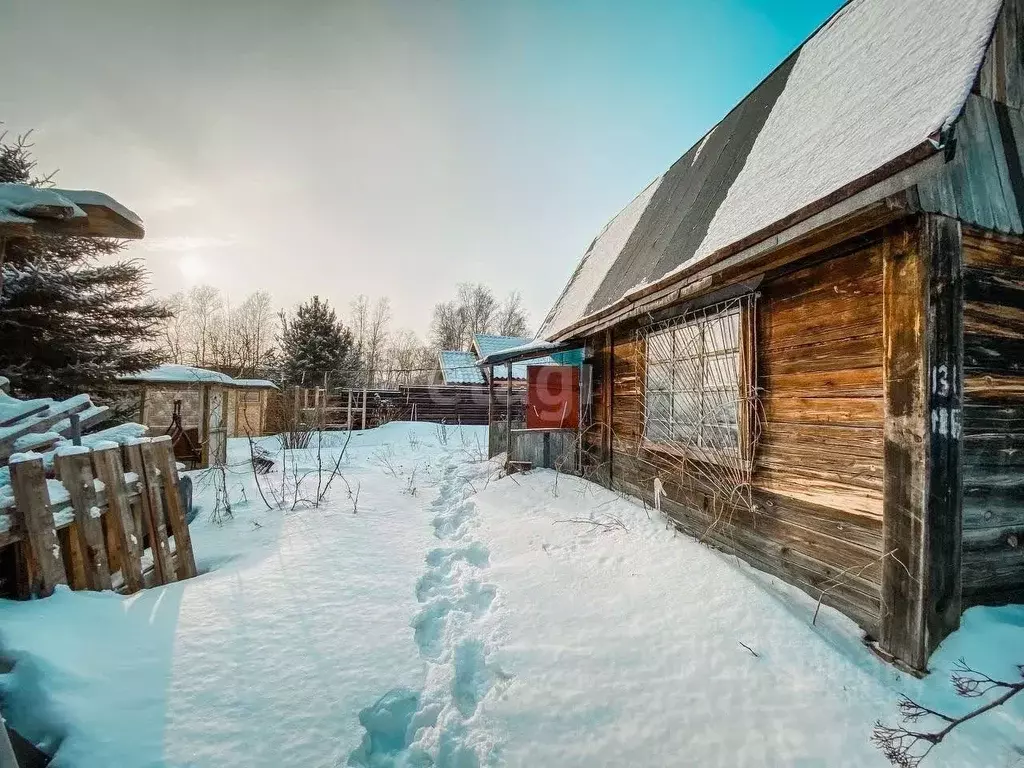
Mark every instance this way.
x=193 y=267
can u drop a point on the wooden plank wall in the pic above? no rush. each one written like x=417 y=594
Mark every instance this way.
x=820 y=360
x=455 y=404
x=817 y=482
x=993 y=456
x=548 y=449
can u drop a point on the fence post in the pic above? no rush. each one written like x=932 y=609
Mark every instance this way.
x=31 y=501
x=349 y=425
x=76 y=474
x=107 y=463
x=490 y=394
x=76 y=428
x=508 y=414
x=152 y=513
x=160 y=451
x=364 y=407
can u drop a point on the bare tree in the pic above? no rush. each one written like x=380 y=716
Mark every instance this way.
x=479 y=307
x=175 y=335
x=448 y=327
x=205 y=306
x=474 y=310
x=359 y=322
x=906 y=748
x=205 y=330
x=369 y=324
x=255 y=324
x=408 y=358
x=510 y=317
x=376 y=339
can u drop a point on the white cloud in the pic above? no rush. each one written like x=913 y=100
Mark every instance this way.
x=187 y=243
x=171 y=202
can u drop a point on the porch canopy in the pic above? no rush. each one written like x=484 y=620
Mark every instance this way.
x=531 y=351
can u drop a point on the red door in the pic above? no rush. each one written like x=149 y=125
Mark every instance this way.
x=552 y=397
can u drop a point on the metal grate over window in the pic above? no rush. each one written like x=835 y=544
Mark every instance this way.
x=696 y=381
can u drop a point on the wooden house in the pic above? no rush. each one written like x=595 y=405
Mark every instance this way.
x=460 y=368
x=806 y=337
x=457 y=368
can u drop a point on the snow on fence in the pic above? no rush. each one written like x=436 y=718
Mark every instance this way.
x=89 y=527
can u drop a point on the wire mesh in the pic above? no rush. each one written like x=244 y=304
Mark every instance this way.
x=697 y=376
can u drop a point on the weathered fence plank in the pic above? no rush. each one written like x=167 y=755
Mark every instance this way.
x=152 y=512
x=28 y=480
x=159 y=454
x=126 y=539
x=77 y=476
x=74 y=558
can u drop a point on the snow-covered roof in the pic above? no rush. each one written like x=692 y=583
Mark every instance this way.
x=486 y=344
x=254 y=384
x=44 y=202
x=459 y=367
x=876 y=86
x=87 y=197
x=91 y=213
x=171 y=373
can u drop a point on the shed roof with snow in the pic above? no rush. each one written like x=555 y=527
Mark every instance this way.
x=872 y=92
x=459 y=367
x=254 y=384
x=171 y=373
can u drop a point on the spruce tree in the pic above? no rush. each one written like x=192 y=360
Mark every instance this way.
x=314 y=342
x=73 y=316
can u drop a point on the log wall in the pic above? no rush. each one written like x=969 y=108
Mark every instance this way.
x=993 y=454
x=817 y=496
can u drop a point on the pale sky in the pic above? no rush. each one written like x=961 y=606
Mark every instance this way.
x=386 y=148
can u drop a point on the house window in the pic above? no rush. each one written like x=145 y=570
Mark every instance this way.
x=697 y=390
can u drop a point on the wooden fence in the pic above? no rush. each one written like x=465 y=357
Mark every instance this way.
x=88 y=528
x=456 y=404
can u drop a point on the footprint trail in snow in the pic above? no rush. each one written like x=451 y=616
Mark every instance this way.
x=440 y=725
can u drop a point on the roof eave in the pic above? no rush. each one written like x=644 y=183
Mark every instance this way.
x=518 y=356
x=917 y=157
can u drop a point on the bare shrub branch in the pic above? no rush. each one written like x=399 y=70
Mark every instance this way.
x=907 y=748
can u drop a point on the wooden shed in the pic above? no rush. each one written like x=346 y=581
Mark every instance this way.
x=201 y=409
x=247 y=407
x=191 y=405
x=806 y=337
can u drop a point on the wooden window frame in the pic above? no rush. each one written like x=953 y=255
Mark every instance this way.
x=746 y=383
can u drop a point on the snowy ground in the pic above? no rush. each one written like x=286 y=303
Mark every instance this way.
x=465 y=623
